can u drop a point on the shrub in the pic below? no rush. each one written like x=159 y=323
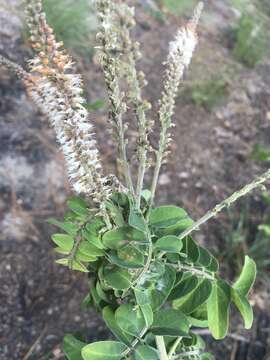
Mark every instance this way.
x=208 y=93
x=152 y=281
x=243 y=236
x=74 y=23
x=177 y=7
x=252 y=38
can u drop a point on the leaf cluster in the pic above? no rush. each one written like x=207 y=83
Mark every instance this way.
x=146 y=281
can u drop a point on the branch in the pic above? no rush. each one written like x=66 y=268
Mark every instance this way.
x=227 y=203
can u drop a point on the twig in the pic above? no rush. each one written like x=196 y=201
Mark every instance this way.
x=134 y=343
x=33 y=347
x=193 y=270
x=227 y=203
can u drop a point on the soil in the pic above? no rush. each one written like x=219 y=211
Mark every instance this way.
x=41 y=301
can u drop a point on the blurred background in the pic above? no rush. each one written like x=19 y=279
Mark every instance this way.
x=222 y=142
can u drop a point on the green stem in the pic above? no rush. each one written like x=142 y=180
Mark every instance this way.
x=134 y=343
x=227 y=203
x=193 y=270
x=186 y=354
x=174 y=347
x=159 y=158
x=141 y=173
x=123 y=156
x=161 y=348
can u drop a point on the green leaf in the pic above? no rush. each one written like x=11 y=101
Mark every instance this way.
x=115 y=213
x=205 y=257
x=72 y=347
x=170 y=322
x=146 y=195
x=244 y=307
x=109 y=318
x=67 y=226
x=117 y=278
x=207 y=356
x=191 y=249
x=169 y=220
x=136 y=220
x=131 y=255
x=165 y=216
x=143 y=299
x=247 y=277
x=185 y=286
x=145 y=352
x=195 y=298
x=103 y=350
x=163 y=287
x=118 y=237
x=97 y=300
x=199 y=317
x=59 y=250
x=64 y=241
x=194 y=341
x=75 y=265
x=78 y=206
x=95 y=226
x=88 y=249
x=207 y=260
x=130 y=319
x=114 y=259
x=218 y=309
x=214 y=265
x=101 y=293
x=84 y=257
x=93 y=239
x=170 y=244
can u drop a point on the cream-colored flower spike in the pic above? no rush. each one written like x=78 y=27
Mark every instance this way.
x=182 y=48
x=180 y=54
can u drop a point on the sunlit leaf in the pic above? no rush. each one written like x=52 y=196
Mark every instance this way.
x=64 y=241
x=117 y=278
x=103 y=350
x=109 y=318
x=247 y=277
x=170 y=322
x=218 y=309
x=130 y=319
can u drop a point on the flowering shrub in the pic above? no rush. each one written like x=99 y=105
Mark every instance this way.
x=152 y=282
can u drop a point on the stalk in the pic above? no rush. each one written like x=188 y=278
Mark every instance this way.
x=110 y=64
x=174 y=347
x=227 y=203
x=161 y=348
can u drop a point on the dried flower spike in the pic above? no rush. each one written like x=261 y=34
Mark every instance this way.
x=57 y=89
x=108 y=38
x=130 y=53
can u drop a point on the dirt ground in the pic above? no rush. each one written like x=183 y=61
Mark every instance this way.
x=40 y=301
